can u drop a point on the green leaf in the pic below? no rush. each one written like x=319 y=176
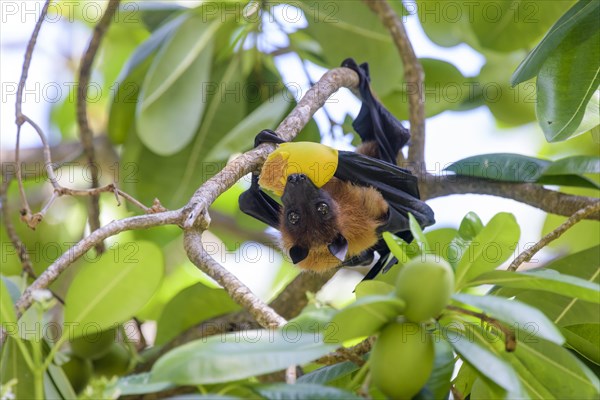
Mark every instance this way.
x=112 y=289
x=351 y=28
x=138 y=384
x=563 y=310
x=490 y=248
x=531 y=65
x=568 y=180
x=417 y=232
x=507 y=26
x=173 y=96
x=443 y=367
x=241 y=137
x=485 y=361
x=13 y=366
x=205 y=302
x=144 y=181
x=368 y=288
x=396 y=246
x=237 y=355
x=446 y=24
x=440 y=241
x=574 y=165
x=302 y=391
x=444 y=90
x=365 y=316
x=129 y=81
x=56 y=377
x=8 y=317
x=518 y=168
x=469 y=228
x=568 y=79
x=313 y=319
x=501 y=167
x=584 y=339
x=559 y=370
x=329 y=373
x=515 y=314
x=545 y=280
x=509 y=106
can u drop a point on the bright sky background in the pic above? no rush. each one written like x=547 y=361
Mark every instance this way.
x=450 y=136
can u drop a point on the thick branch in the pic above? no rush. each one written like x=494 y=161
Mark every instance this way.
x=528 y=193
x=413 y=77
x=555 y=234
x=85 y=131
x=264 y=315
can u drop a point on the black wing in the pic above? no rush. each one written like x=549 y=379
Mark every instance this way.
x=260 y=205
x=254 y=201
x=374 y=121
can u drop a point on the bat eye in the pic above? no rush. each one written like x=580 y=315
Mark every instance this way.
x=293 y=217
x=322 y=208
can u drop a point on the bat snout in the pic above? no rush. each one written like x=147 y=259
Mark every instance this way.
x=296 y=178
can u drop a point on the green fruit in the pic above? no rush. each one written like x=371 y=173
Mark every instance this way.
x=425 y=284
x=79 y=372
x=114 y=362
x=402 y=360
x=93 y=345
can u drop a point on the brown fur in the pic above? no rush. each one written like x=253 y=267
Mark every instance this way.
x=370 y=149
x=360 y=211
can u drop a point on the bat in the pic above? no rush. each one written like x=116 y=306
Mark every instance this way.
x=336 y=204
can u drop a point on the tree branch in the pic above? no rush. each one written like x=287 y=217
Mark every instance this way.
x=555 y=234
x=19 y=117
x=532 y=194
x=413 y=78
x=11 y=233
x=240 y=293
x=85 y=244
x=85 y=131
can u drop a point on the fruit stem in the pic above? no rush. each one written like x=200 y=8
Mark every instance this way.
x=510 y=340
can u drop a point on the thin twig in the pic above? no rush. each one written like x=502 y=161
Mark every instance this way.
x=353 y=353
x=19 y=117
x=555 y=234
x=413 y=77
x=510 y=340
x=78 y=250
x=12 y=233
x=86 y=134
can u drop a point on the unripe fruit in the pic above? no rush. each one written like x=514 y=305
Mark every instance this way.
x=426 y=286
x=402 y=360
x=94 y=345
x=79 y=372
x=114 y=362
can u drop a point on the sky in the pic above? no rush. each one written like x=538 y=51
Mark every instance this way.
x=450 y=136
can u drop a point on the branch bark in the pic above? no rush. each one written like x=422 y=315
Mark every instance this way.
x=534 y=195
x=85 y=132
x=555 y=234
x=413 y=78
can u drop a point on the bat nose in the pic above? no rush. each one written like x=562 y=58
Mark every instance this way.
x=295 y=178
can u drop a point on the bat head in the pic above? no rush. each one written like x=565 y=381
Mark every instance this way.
x=309 y=225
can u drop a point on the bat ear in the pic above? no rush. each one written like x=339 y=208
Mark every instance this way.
x=298 y=253
x=339 y=247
